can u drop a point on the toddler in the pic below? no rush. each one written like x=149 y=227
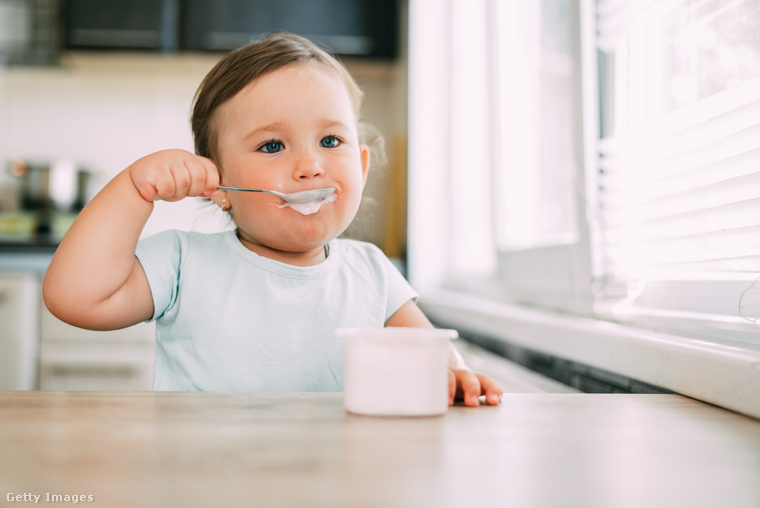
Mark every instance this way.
x=254 y=308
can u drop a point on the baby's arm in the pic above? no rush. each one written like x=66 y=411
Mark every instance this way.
x=94 y=280
x=463 y=383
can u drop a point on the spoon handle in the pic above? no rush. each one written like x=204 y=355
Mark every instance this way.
x=242 y=189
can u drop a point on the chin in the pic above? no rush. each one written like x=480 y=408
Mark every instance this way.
x=305 y=239
x=316 y=230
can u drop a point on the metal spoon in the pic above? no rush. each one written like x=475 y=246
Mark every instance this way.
x=306 y=196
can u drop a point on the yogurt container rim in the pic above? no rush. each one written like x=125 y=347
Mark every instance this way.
x=397 y=334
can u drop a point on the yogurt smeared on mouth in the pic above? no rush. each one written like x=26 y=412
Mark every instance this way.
x=310 y=207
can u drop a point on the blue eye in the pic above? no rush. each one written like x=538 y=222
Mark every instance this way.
x=330 y=142
x=272 y=146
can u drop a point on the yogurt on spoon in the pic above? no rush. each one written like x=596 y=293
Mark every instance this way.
x=310 y=207
x=304 y=202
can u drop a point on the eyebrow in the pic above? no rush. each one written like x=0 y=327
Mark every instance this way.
x=272 y=127
x=331 y=123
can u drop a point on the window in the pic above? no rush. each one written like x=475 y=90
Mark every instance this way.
x=497 y=175
x=678 y=165
x=596 y=158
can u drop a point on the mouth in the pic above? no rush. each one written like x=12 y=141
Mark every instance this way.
x=310 y=207
x=306 y=196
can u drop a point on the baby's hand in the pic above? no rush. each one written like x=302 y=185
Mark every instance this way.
x=171 y=175
x=467 y=386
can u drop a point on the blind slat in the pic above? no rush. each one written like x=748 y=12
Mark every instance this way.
x=703 y=201
x=679 y=186
x=717 y=172
x=728 y=134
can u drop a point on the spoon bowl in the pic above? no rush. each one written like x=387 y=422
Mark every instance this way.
x=294 y=198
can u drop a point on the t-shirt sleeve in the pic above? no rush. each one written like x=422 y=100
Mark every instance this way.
x=160 y=257
x=399 y=291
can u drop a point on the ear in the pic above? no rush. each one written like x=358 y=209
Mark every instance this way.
x=364 y=154
x=221 y=200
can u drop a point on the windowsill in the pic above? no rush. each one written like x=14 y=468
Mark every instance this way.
x=511 y=376
x=719 y=374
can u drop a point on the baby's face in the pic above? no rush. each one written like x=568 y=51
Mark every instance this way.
x=292 y=130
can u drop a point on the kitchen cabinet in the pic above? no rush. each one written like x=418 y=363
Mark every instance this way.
x=347 y=27
x=19 y=301
x=75 y=359
x=39 y=351
x=122 y=24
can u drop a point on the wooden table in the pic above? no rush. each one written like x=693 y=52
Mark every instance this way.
x=146 y=449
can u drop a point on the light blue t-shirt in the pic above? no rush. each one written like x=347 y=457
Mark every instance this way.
x=228 y=319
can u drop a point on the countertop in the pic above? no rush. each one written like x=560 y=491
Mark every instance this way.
x=26 y=258
x=154 y=449
x=33 y=245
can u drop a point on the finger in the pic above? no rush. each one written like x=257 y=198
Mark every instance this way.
x=452 y=387
x=490 y=389
x=212 y=177
x=198 y=175
x=146 y=187
x=182 y=178
x=470 y=386
x=166 y=188
x=147 y=191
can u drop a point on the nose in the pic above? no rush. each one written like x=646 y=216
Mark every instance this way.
x=307 y=166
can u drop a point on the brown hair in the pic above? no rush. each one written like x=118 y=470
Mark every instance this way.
x=244 y=65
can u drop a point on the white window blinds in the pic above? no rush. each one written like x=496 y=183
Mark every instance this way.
x=677 y=217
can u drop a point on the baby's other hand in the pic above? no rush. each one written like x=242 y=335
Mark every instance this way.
x=467 y=386
x=171 y=175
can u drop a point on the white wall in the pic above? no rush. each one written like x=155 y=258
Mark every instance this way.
x=105 y=110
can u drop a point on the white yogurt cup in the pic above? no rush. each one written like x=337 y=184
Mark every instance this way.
x=396 y=371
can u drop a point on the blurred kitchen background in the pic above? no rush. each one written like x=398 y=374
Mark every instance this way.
x=87 y=87
x=581 y=176
x=93 y=86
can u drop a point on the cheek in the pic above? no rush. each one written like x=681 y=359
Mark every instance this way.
x=240 y=171
x=249 y=205
x=350 y=205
